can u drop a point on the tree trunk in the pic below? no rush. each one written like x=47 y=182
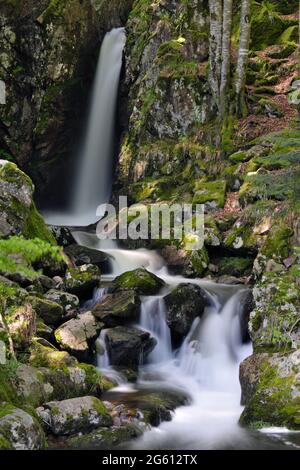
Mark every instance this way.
x=245 y=26
x=215 y=47
x=226 y=56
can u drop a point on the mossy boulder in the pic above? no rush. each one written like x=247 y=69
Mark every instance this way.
x=65 y=299
x=50 y=312
x=82 y=280
x=270 y=390
x=20 y=430
x=141 y=281
x=18 y=212
x=183 y=305
x=119 y=308
x=43 y=354
x=196 y=263
x=235 y=266
x=104 y=438
x=78 y=335
x=75 y=415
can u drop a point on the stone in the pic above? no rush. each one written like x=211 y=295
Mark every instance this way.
x=46 y=355
x=50 y=312
x=128 y=346
x=66 y=300
x=20 y=429
x=104 y=438
x=81 y=281
x=117 y=309
x=74 y=415
x=78 y=335
x=140 y=280
x=18 y=214
x=246 y=305
x=270 y=390
x=183 y=305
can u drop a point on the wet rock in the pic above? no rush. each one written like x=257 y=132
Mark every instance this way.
x=119 y=308
x=74 y=415
x=104 y=438
x=81 y=255
x=66 y=300
x=245 y=308
x=20 y=429
x=270 y=389
x=184 y=304
x=82 y=280
x=128 y=346
x=78 y=335
x=140 y=280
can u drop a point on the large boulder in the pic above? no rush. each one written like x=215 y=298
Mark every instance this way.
x=18 y=214
x=271 y=390
x=140 y=280
x=116 y=309
x=78 y=335
x=128 y=346
x=75 y=415
x=82 y=280
x=50 y=312
x=20 y=430
x=183 y=305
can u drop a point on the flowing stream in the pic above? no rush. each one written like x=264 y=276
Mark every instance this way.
x=206 y=366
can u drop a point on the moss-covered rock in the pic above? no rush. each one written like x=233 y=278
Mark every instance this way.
x=18 y=212
x=50 y=312
x=212 y=193
x=270 y=390
x=235 y=266
x=117 y=309
x=141 y=281
x=74 y=415
x=20 y=430
x=82 y=280
x=104 y=438
x=196 y=263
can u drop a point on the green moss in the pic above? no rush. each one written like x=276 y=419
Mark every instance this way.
x=273 y=400
x=144 y=282
x=7 y=382
x=278 y=242
x=210 y=191
x=35 y=227
x=5 y=444
x=235 y=266
x=19 y=255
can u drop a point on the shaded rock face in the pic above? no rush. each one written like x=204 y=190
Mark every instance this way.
x=77 y=335
x=270 y=390
x=20 y=429
x=119 y=308
x=64 y=299
x=246 y=307
x=127 y=346
x=49 y=55
x=75 y=415
x=183 y=305
x=82 y=255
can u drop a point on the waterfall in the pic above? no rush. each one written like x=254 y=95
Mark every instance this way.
x=153 y=319
x=92 y=184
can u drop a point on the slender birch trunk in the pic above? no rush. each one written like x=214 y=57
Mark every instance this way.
x=245 y=26
x=215 y=47
x=226 y=56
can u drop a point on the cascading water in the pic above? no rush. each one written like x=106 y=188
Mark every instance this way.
x=153 y=319
x=93 y=182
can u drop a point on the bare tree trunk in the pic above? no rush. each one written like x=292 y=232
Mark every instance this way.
x=215 y=47
x=226 y=56
x=245 y=26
